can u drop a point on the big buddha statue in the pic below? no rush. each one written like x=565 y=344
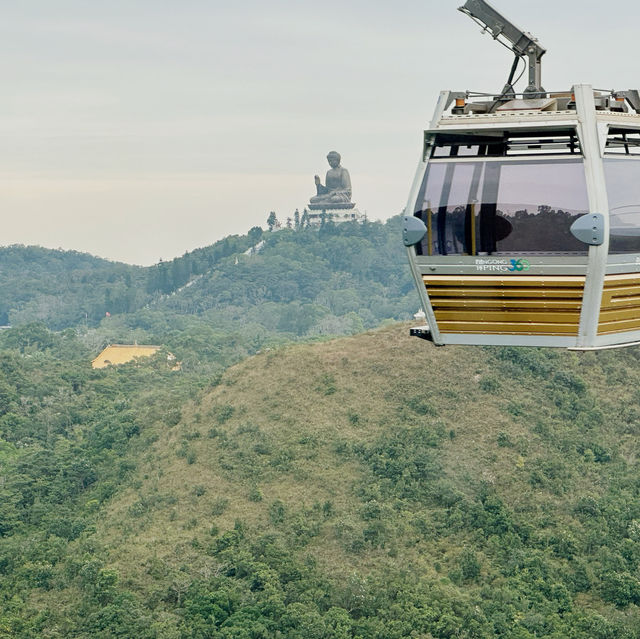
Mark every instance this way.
x=335 y=193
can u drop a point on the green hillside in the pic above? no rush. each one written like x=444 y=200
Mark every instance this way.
x=329 y=281
x=310 y=282
x=64 y=288
x=368 y=487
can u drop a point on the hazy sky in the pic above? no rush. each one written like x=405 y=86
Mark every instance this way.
x=141 y=129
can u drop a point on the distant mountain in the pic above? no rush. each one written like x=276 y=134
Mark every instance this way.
x=64 y=288
x=333 y=280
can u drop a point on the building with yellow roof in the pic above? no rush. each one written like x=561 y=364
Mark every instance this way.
x=115 y=354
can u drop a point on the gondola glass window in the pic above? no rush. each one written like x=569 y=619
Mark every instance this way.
x=623 y=191
x=497 y=207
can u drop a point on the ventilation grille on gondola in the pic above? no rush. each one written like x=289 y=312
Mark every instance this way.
x=506 y=305
x=623 y=142
x=506 y=144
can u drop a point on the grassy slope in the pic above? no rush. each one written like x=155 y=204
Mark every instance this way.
x=287 y=432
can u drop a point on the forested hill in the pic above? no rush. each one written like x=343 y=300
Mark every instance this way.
x=333 y=280
x=371 y=487
x=61 y=288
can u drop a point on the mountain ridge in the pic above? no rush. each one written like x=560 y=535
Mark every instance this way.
x=332 y=280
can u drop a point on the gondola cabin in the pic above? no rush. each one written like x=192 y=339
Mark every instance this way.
x=523 y=221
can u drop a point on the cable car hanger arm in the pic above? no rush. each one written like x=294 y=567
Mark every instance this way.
x=522 y=43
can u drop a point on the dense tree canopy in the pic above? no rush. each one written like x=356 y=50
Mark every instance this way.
x=329 y=281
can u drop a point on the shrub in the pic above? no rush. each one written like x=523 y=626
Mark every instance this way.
x=504 y=441
x=219 y=506
x=277 y=511
x=327 y=384
x=421 y=406
x=172 y=417
x=489 y=385
x=224 y=413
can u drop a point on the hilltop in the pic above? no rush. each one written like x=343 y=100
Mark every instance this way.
x=372 y=487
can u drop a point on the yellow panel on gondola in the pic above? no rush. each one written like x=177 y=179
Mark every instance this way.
x=620 y=310
x=492 y=305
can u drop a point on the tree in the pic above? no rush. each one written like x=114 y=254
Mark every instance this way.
x=296 y=220
x=255 y=234
x=272 y=220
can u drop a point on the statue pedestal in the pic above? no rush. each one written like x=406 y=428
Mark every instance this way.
x=337 y=214
x=330 y=206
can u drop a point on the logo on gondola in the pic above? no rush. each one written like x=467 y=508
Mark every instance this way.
x=502 y=265
x=519 y=265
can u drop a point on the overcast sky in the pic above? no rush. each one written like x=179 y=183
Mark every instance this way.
x=141 y=129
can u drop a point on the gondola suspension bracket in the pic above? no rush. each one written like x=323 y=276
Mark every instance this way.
x=522 y=43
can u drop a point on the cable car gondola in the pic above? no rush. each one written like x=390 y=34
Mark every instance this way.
x=523 y=222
